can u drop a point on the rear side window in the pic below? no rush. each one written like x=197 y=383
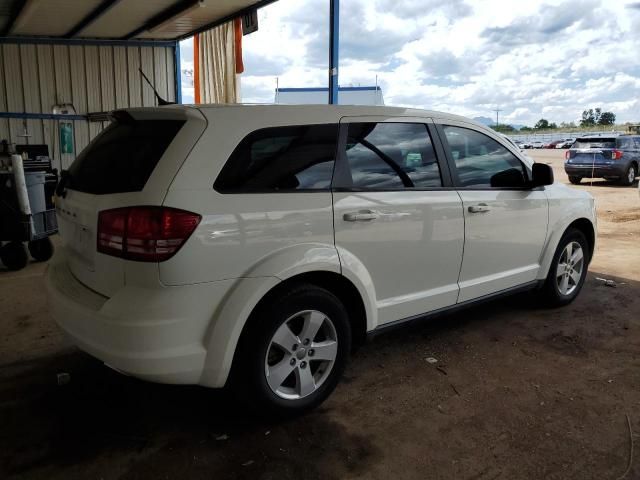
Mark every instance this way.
x=123 y=156
x=389 y=156
x=292 y=158
x=594 y=143
x=478 y=158
x=626 y=143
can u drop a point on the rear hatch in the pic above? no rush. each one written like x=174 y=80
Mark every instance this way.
x=130 y=163
x=590 y=150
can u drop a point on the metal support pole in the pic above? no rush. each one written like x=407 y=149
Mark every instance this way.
x=334 y=43
x=178 y=72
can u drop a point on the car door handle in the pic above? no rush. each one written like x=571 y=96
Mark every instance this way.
x=480 y=208
x=361 y=216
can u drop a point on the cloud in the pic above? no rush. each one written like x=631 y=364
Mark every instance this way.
x=365 y=38
x=186 y=50
x=256 y=64
x=454 y=9
x=442 y=63
x=547 y=24
x=467 y=57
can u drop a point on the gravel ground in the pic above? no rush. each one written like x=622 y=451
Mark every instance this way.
x=518 y=392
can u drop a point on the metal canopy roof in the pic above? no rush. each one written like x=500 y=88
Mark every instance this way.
x=117 y=19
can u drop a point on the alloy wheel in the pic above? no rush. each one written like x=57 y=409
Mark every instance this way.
x=301 y=354
x=569 y=269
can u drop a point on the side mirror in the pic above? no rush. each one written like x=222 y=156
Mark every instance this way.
x=542 y=175
x=510 y=178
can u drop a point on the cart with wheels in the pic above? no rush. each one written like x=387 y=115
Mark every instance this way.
x=27 y=215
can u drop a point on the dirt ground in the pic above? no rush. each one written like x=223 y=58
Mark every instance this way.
x=518 y=393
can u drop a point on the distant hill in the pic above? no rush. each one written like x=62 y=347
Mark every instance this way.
x=485 y=120
x=489 y=122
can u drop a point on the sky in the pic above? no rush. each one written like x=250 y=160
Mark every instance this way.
x=530 y=59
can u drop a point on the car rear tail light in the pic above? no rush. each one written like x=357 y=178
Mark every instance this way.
x=145 y=234
x=616 y=154
x=567 y=155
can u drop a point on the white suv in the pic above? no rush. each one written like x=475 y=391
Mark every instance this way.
x=255 y=245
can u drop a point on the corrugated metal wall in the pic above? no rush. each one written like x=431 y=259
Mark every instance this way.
x=94 y=78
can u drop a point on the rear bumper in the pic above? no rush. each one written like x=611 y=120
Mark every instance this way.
x=154 y=334
x=595 y=171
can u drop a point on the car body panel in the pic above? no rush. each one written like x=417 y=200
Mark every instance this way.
x=503 y=241
x=252 y=227
x=77 y=211
x=502 y=246
x=179 y=321
x=566 y=205
x=153 y=333
x=416 y=231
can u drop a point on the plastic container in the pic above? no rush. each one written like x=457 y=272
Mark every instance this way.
x=35 y=190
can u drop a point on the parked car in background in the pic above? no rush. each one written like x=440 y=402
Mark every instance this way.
x=254 y=246
x=566 y=143
x=526 y=145
x=552 y=144
x=517 y=144
x=537 y=144
x=609 y=157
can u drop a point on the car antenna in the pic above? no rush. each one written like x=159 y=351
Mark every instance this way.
x=161 y=101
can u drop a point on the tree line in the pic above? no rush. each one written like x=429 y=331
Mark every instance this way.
x=590 y=118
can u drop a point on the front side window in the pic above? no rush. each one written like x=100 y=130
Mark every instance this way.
x=389 y=156
x=481 y=161
x=291 y=158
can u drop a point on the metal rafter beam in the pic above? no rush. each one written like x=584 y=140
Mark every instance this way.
x=259 y=4
x=86 y=41
x=15 y=13
x=91 y=17
x=168 y=13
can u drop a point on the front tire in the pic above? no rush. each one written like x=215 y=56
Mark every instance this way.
x=629 y=177
x=575 y=180
x=293 y=353
x=568 y=270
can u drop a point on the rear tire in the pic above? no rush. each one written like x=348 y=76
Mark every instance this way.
x=568 y=270
x=575 y=180
x=41 y=250
x=14 y=256
x=293 y=352
x=629 y=177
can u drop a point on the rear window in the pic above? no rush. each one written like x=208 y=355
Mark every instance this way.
x=292 y=158
x=122 y=157
x=595 y=143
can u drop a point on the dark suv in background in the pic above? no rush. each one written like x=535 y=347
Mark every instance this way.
x=609 y=157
